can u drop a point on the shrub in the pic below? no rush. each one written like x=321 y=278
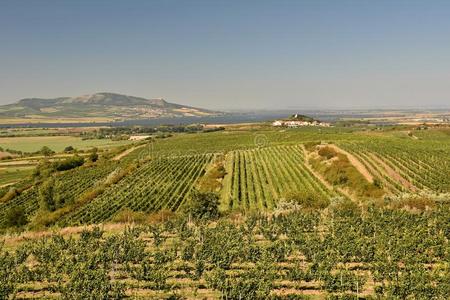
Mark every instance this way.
x=203 y=205
x=327 y=152
x=16 y=217
x=46 y=151
x=307 y=199
x=69 y=163
x=93 y=156
x=311 y=146
x=46 y=196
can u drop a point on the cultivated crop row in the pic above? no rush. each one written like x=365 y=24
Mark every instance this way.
x=262 y=177
x=162 y=183
x=342 y=253
x=68 y=186
x=418 y=166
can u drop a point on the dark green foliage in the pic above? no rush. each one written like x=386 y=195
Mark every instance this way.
x=336 y=251
x=15 y=217
x=46 y=151
x=256 y=283
x=47 y=200
x=87 y=283
x=93 y=156
x=217 y=247
x=203 y=205
x=68 y=163
x=69 y=149
x=46 y=168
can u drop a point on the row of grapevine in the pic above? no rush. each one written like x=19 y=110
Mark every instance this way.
x=424 y=164
x=262 y=177
x=68 y=185
x=345 y=252
x=162 y=183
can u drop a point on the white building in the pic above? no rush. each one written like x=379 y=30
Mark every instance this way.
x=277 y=123
x=295 y=123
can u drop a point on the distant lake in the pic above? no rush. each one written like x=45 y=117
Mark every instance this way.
x=227 y=118
x=230 y=118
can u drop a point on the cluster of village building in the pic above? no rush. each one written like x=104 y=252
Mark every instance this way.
x=299 y=123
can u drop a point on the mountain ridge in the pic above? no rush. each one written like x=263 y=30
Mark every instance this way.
x=102 y=105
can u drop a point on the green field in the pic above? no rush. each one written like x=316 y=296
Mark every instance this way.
x=260 y=178
x=308 y=213
x=14 y=174
x=295 y=255
x=56 y=143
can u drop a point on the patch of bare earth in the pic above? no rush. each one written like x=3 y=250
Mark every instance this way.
x=392 y=173
x=4 y=154
x=7 y=184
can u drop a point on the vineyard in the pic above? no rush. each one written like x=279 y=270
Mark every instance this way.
x=299 y=214
x=406 y=167
x=343 y=252
x=259 y=178
x=162 y=183
x=68 y=186
x=263 y=168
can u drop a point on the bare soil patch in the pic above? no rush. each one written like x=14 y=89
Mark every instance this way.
x=126 y=152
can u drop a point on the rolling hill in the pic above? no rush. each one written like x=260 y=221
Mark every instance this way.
x=96 y=107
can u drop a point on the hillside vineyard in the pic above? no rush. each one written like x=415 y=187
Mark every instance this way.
x=302 y=213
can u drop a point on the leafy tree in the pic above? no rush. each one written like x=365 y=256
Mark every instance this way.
x=46 y=195
x=46 y=151
x=93 y=156
x=69 y=163
x=69 y=149
x=203 y=205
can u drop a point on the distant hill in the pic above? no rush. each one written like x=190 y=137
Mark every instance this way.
x=95 y=107
x=298 y=117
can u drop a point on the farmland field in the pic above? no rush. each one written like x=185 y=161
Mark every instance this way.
x=297 y=255
x=262 y=177
x=9 y=175
x=309 y=213
x=159 y=184
x=56 y=143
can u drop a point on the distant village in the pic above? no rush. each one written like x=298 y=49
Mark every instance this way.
x=299 y=121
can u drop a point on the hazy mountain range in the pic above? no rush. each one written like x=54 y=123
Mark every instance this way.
x=95 y=107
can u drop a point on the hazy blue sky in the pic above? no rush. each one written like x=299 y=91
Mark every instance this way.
x=230 y=54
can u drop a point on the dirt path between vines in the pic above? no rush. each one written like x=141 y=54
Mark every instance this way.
x=320 y=177
x=355 y=162
x=126 y=152
x=7 y=184
x=392 y=173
